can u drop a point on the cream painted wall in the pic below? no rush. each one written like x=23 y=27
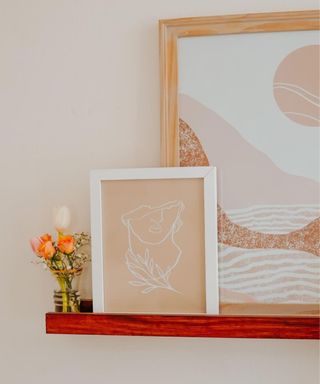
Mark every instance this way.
x=79 y=89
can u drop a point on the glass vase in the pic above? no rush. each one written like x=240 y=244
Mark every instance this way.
x=67 y=300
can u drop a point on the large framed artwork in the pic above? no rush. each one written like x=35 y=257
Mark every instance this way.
x=154 y=240
x=241 y=93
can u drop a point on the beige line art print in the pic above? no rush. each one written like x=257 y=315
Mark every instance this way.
x=153 y=252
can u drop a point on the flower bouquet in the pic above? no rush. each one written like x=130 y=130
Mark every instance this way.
x=65 y=257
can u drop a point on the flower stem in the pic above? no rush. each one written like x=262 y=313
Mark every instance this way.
x=64 y=294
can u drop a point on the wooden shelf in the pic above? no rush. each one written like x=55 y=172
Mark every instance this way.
x=261 y=327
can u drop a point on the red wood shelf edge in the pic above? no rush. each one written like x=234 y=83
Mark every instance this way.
x=261 y=327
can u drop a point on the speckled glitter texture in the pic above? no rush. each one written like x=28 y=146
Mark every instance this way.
x=191 y=151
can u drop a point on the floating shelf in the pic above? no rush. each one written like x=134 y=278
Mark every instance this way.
x=222 y=326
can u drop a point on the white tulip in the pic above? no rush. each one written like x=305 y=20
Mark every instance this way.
x=62 y=218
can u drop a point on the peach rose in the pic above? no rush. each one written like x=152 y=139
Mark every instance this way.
x=66 y=244
x=35 y=243
x=43 y=246
x=46 y=249
x=46 y=237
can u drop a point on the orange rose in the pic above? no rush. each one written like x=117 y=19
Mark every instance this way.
x=66 y=244
x=43 y=246
x=46 y=237
x=46 y=249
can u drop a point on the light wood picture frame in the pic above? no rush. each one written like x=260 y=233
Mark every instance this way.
x=172 y=34
x=154 y=240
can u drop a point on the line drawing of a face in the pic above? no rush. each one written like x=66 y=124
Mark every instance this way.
x=152 y=251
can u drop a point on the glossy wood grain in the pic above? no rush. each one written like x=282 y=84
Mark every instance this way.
x=184 y=326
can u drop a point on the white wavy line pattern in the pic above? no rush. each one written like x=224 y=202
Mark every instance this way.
x=304 y=95
x=287 y=272
x=274 y=219
x=297 y=87
x=258 y=258
x=225 y=250
x=260 y=286
x=302 y=295
x=317 y=119
x=279 y=212
x=272 y=275
x=269 y=208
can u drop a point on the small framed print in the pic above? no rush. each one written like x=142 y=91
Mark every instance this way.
x=154 y=240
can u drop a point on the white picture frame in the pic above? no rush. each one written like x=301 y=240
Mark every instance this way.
x=208 y=177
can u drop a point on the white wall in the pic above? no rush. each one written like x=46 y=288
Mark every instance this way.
x=79 y=89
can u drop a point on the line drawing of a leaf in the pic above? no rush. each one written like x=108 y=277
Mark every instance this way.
x=167 y=274
x=146 y=256
x=151 y=265
x=146 y=272
x=131 y=265
x=138 y=276
x=159 y=270
x=140 y=259
x=147 y=290
x=136 y=269
x=137 y=283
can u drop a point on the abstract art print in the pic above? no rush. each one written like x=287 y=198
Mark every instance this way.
x=249 y=104
x=151 y=233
